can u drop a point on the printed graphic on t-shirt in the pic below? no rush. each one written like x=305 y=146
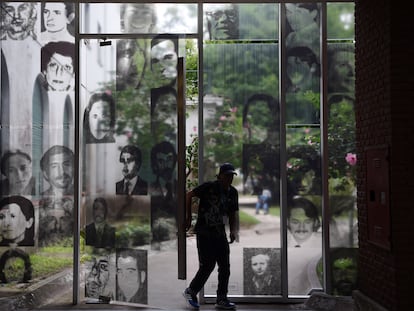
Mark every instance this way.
x=213 y=216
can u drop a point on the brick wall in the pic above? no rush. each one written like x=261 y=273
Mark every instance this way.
x=385 y=113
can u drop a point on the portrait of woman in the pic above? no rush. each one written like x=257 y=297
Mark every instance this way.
x=15 y=266
x=99 y=119
x=16 y=221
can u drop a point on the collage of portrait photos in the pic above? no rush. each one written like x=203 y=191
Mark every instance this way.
x=37 y=113
x=129 y=158
x=128 y=164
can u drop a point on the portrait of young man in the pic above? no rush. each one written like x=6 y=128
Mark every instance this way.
x=57 y=66
x=164 y=59
x=131 y=161
x=99 y=233
x=57 y=18
x=131 y=276
x=57 y=168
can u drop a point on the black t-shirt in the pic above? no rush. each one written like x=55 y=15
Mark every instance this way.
x=215 y=203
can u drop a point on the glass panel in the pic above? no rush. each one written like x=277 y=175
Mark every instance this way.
x=138 y=18
x=342 y=161
x=225 y=21
x=342 y=157
x=37 y=124
x=129 y=107
x=303 y=146
x=303 y=62
x=340 y=20
x=241 y=125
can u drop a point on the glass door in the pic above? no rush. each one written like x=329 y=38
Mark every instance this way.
x=241 y=125
x=131 y=102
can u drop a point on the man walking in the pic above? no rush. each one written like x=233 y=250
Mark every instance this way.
x=217 y=199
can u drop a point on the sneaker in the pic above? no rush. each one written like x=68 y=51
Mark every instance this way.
x=191 y=299
x=225 y=304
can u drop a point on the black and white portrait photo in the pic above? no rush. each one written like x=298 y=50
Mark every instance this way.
x=57 y=168
x=99 y=119
x=17 y=221
x=164 y=59
x=18 y=20
x=99 y=233
x=56 y=204
x=57 y=66
x=303 y=223
x=138 y=18
x=131 y=63
x=16 y=167
x=222 y=21
x=57 y=21
x=164 y=114
x=261 y=271
x=132 y=183
x=15 y=266
x=100 y=276
x=163 y=192
x=132 y=275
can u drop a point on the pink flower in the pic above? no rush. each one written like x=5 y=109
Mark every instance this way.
x=222 y=118
x=233 y=109
x=307 y=130
x=351 y=158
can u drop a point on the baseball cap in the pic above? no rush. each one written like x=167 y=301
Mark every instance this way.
x=227 y=168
